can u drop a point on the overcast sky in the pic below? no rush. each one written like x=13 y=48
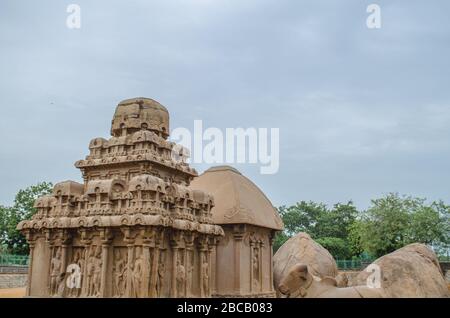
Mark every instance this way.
x=362 y=112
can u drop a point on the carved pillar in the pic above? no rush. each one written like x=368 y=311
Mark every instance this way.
x=106 y=238
x=252 y=279
x=129 y=240
x=86 y=240
x=148 y=242
x=129 y=282
x=212 y=266
x=203 y=256
x=238 y=234
x=202 y=291
x=31 y=239
x=157 y=283
x=154 y=271
x=66 y=238
x=271 y=239
x=189 y=268
x=173 y=289
x=50 y=240
x=260 y=272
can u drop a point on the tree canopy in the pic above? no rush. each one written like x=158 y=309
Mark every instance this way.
x=330 y=227
x=13 y=241
x=390 y=222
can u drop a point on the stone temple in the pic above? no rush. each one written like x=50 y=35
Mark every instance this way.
x=137 y=227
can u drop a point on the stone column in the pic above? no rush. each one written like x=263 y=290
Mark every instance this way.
x=86 y=240
x=238 y=235
x=148 y=242
x=252 y=246
x=214 y=266
x=50 y=242
x=260 y=272
x=66 y=239
x=129 y=239
x=154 y=271
x=130 y=259
x=106 y=237
x=129 y=282
x=210 y=280
x=173 y=289
x=189 y=269
x=32 y=243
x=271 y=238
x=186 y=269
x=201 y=257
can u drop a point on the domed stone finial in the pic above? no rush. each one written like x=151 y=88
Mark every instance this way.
x=140 y=113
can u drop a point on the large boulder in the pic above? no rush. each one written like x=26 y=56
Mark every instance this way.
x=410 y=272
x=302 y=249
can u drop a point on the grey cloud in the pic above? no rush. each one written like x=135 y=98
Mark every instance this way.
x=361 y=112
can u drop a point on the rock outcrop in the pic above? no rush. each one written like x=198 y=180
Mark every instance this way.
x=412 y=271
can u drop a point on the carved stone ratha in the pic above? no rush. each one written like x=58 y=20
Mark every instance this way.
x=133 y=228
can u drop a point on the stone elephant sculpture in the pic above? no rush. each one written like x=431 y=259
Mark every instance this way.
x=300 y=283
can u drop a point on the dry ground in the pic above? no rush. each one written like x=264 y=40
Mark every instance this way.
x=12 y=292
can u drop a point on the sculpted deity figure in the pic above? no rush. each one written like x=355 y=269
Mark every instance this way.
x=90 y=269
x=181 y=278
x=190 y=271
x=61 y=285
x=55 y=270
x=97 y=271
x=138 y=271
x=160 y=278
x=74 y=291
x=119 y=271
x=130 y=281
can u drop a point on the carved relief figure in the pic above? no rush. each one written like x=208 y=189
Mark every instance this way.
x=75 y=290
x=130 y=279
x=90 y=269
x=119 y=273
x=97 y=272
x=181 y=279
x=190 y=271
x=160 y=278
x=55 y=270
x=61 y=285
x=138 y=271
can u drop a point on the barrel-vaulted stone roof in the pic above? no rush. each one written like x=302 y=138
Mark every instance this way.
x=237 y=199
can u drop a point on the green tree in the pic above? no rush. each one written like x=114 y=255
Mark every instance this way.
x=354 y=238
x=335 y=223
x=394 y=221
x=337 y=247
x=329 y=227
x=22 y=209
x=301 y=217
